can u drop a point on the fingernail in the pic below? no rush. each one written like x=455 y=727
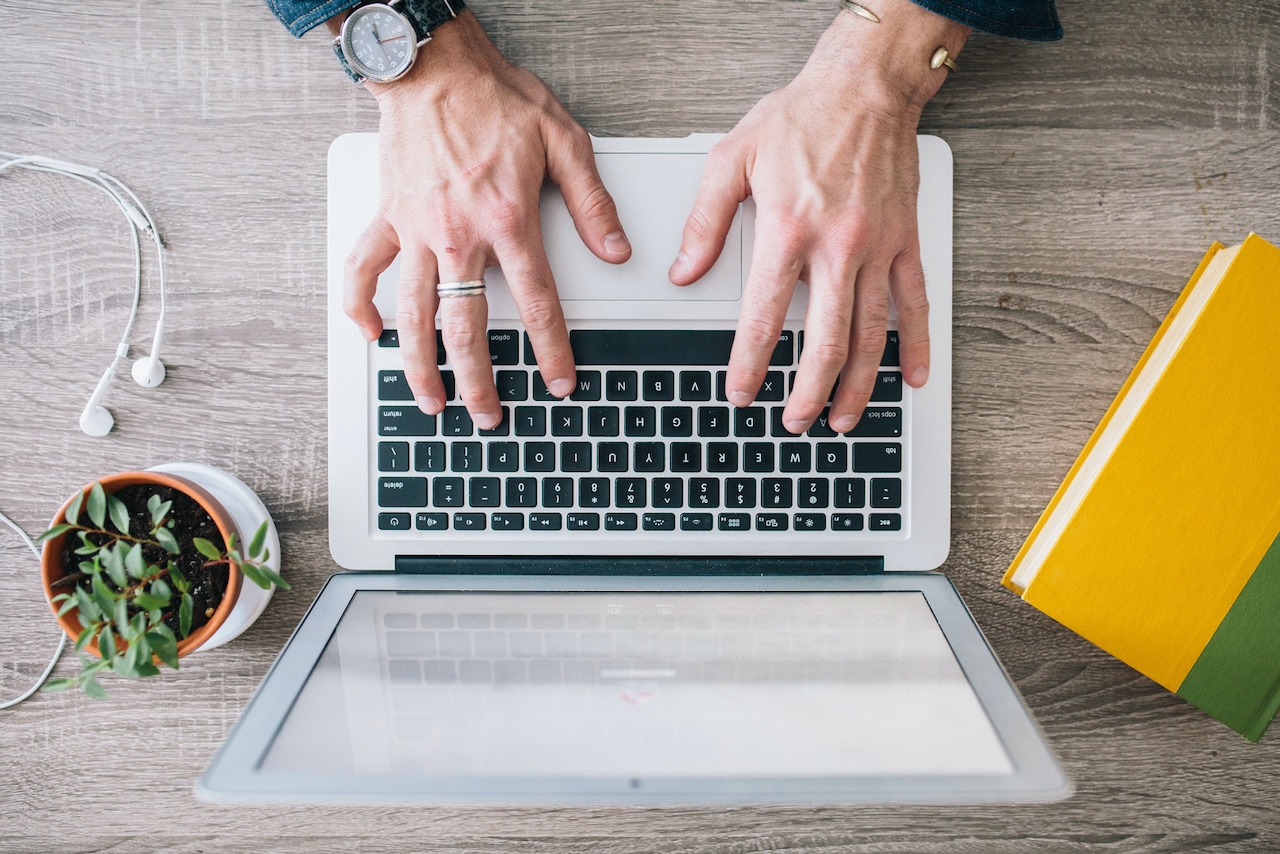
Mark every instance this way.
x=615 y=243
x=681 y=266
x=561 y=388
x=487 y=422
x=428 y=405
x=919 y=375
x=842 y=425
x=370 y=335
x=796 y=427
x=740 y=398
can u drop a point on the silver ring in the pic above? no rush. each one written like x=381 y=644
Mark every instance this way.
x=473 y=288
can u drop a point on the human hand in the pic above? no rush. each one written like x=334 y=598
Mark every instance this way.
x=465 y=141
x=831 y=160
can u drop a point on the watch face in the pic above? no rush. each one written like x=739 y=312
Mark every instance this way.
x=379 y=42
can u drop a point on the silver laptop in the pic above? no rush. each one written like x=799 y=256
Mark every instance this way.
x=638 y=594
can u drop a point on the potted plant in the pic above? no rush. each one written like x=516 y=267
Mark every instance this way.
x=143 y=568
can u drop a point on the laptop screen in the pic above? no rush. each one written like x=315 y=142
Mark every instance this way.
x=643 y=685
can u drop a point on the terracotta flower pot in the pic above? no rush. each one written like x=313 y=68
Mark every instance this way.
x=51 y=568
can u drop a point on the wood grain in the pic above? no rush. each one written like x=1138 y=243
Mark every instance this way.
x=1090 y=176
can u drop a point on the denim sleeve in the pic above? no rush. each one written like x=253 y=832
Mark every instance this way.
x=1036 y=20
x=301 y=15
x=1019 y=19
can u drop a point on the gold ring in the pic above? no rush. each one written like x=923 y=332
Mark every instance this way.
x=859 y=10
x=942 y=57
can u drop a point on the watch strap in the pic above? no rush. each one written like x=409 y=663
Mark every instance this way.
x=424 y=15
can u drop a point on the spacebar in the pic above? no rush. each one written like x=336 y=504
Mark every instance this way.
x=651 y=346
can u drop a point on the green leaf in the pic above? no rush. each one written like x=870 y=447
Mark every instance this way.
x=147 y=668
x=117 y=573
x=90 y=668
x=148 y=602
x=134 y=562
x=161 y=590
x=113 y=558
x=259 y=539
x=89 y=610
x=158 y=509
x=94 y=689
x=273 y=576
x=97 y=505
x=254 y=573
x=166 y=540
x=234 y=554
x=123 y=664
x=137 y=626
x=231 y=543
x=86 y=634
x=119 y=514
x=103 y=595
x=55 y=531
x=179 y=580
x=87 y=549
x=89 y=566
x=184 y=614
x=73 y=509
x=107 y=644
x=153 y=617
x=206 y=548
x=53 y=686
x=121 y=615
x=67 y=606
x=165 y=646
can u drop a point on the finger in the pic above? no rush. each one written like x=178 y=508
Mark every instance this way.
x=826 y=343
x=533 y=287
x=416 y=305
x=775 y=266
x=866 y=347
x=723 y=188
x=464 y=323
x=571 y=164
x=373 y=253
x=906 y=285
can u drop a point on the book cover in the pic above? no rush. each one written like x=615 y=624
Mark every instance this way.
x=1162 y=546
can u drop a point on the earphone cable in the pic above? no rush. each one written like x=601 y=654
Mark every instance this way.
x=62 y=644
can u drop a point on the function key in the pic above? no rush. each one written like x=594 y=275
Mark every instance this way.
x=771 y=521
x=469 y=521
x=583 y=522
x=878 y=423
x=389 y=338
x=504 y=346
x=620 y=522
x=659 y=385
x=513 y=385
x=659 y=521
x=432 y=521
x=886 y=492
x=877 y=457
x=405 y=420
x=695 y=385
x=890 y=357
x=888 y=387
x=846 y=521
x=588 y=387
x=545 y=521
x=393 y=521
x=621 y=385
x=507 y=521
x=734 y=522
x=811 y=521
x=771 y=389
x=393 y=386
x=393 y=456
x=884 y=522
x=695 y=521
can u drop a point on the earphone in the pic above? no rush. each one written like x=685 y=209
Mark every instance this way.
x=148 y=371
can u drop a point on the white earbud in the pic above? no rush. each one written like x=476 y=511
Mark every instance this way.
x=149 y=370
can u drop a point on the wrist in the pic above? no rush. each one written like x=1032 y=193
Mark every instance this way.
x=459 y=48
x=887 y=62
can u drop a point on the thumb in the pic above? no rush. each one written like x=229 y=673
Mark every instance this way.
x=571 y=164
x=723 y=188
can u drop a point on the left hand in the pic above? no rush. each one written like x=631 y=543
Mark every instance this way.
x=831 y=160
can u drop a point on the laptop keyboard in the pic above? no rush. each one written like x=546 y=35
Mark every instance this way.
x=647 y=443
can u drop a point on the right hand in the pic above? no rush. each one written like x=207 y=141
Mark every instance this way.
x=466 y=139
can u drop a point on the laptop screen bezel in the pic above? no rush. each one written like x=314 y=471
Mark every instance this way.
x=234 y=775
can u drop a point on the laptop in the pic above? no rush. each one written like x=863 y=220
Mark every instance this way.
x=638 y=594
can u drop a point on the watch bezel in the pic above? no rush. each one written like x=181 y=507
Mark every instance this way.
x=344 y=40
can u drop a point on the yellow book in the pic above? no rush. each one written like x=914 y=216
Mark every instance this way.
x=1161 y=545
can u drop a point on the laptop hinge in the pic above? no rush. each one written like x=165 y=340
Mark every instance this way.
x=578 y=565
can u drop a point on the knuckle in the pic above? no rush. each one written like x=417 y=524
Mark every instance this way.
x=871 y=341
x=461 y=336
x=417 y=377
x=598 y=204
x=541 y=314
x=757 y=332
x=913 y=304
x=411 y=315
x=508 y=220
x=829 y=355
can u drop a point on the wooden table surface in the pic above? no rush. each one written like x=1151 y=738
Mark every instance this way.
x=1090 y=175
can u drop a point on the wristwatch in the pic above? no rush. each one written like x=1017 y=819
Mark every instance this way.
x=379 y=41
